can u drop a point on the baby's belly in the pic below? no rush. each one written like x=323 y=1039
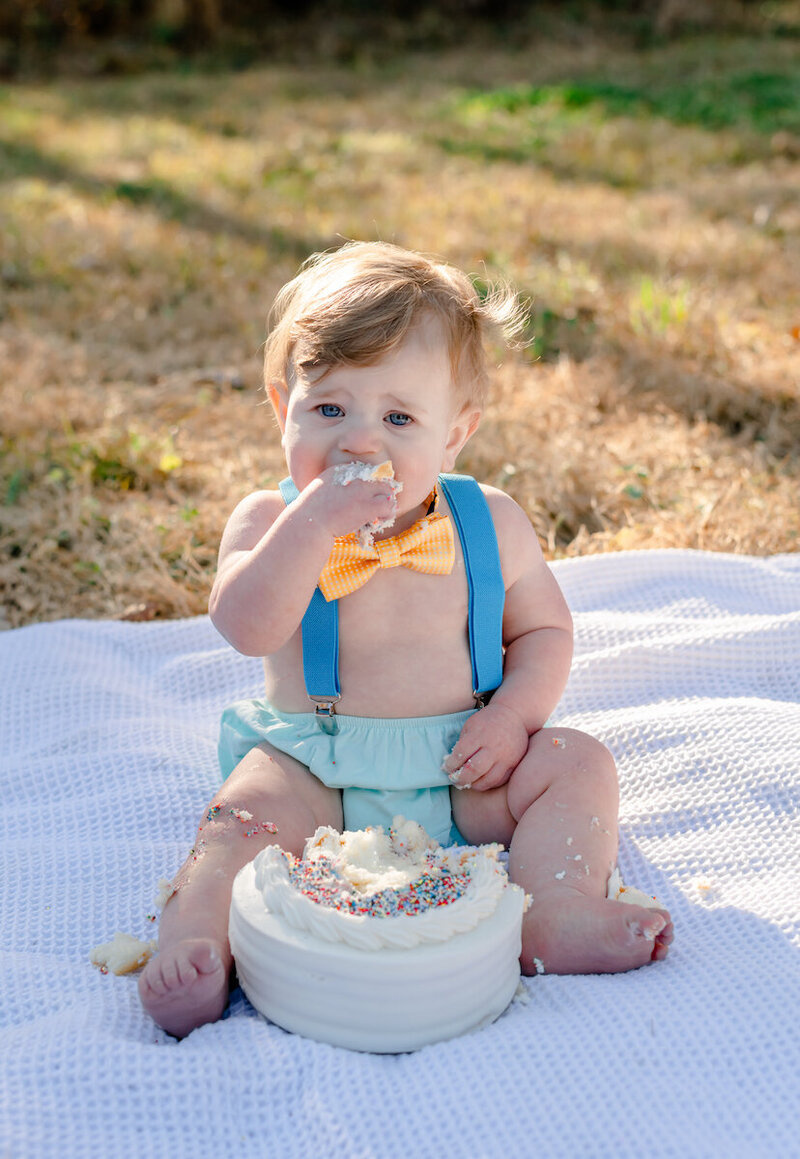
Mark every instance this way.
x=411 y=679
x=403 y=650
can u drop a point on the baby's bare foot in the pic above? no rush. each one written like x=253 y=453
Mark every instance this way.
x=185 y=986
x=586 y=935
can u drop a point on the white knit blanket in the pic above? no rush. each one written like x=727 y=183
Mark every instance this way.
x=687 y=665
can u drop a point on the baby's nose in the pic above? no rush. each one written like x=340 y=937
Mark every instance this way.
x=361 y=438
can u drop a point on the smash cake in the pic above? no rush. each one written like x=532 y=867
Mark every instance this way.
x=377 y=941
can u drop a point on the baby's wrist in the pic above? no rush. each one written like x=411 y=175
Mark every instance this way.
x=513 y=714
x=315 y=509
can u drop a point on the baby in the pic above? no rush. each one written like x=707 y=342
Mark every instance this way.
x=369 y=596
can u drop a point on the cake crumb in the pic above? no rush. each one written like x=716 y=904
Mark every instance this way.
x=705 y=888
x=454 y=779
x=522 y=994
x=124 y=954
x=165 y=892
x=618 y=891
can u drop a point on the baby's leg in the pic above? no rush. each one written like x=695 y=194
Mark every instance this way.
x=559 y=810
x=186 y=984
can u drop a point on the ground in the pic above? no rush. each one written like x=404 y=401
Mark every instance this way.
x=643 y=199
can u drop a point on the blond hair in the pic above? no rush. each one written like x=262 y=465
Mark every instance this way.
x=354 y=305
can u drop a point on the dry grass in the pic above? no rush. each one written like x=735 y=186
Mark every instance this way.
x=148 y=222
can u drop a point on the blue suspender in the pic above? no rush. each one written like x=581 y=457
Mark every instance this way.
x=487 y=591
x=320 y=628
x=473 y=522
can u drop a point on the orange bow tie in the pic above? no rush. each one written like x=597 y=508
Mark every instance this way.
x=427 y=547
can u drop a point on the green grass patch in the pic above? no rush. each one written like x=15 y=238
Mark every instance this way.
x=762 y=101
x=17 y=482
x=658 y=309
x=554 y=333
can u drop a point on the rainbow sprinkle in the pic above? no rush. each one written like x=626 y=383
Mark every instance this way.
x=319 y=881
x=264 y=827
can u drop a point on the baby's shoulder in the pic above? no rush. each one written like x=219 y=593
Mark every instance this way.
x=251 y=518
x=507 y=515
x=516 y=538
x=260 y=505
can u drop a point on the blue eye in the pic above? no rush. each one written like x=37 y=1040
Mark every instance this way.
x=397 y=419
x=329 y=410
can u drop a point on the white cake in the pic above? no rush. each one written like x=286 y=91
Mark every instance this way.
x=377 y=941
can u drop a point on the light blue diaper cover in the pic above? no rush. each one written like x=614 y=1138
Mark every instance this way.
x=383 y=766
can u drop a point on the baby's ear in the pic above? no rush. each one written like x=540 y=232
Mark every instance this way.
x=278 y=395
x=462 y=428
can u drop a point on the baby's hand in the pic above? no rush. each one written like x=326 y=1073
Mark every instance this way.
x=492 y=743
x=342 y=508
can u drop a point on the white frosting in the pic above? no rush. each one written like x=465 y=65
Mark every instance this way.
x=377 y=983
x=344 y=473
x=371 y=860
x=357 y=858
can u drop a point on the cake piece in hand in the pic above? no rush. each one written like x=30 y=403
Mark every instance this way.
x=348 y=472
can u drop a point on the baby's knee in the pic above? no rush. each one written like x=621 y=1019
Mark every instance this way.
x=570 y=749
x=272 y=798
x=567 y=758
x=593 y=756
x=597 y=777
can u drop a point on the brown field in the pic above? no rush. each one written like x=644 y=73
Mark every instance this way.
x=644 y=199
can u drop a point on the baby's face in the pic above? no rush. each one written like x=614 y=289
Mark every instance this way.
x=402 y=408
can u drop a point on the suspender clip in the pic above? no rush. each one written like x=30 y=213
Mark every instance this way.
x=325 y=712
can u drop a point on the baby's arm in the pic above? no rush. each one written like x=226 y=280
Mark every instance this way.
x=537 y=635
x=271 y=556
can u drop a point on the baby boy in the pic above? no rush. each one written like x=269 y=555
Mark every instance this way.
x=372 y=706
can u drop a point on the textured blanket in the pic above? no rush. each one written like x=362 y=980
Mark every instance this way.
x=687 y=665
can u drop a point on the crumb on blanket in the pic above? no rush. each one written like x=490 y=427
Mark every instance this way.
x=123 y=955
